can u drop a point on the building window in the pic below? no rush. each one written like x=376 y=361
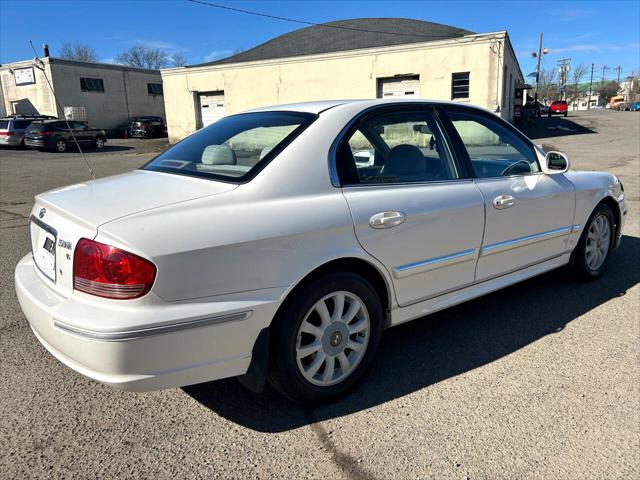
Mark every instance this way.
x=91 y=84
x=460 y=85
x=154 y=88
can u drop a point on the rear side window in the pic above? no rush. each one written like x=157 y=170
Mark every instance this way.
x=4 y=124
x=234 y=148
x=494 y=150
x=21 y=124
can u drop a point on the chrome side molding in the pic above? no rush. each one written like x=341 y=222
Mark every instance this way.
x=151 y=331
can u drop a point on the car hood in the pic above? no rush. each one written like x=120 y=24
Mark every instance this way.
x=100 y=201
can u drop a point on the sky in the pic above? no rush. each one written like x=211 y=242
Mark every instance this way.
x=606 y=33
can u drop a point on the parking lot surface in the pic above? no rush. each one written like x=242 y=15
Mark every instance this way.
x=541 y=380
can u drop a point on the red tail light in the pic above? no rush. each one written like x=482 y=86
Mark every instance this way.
x=110 y=272
x=6 y=134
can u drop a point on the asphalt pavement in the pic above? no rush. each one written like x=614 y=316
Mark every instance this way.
x=541 y=380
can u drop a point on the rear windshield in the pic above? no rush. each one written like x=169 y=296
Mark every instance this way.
x=4 y=124
x=234 y=148
x=38 y=127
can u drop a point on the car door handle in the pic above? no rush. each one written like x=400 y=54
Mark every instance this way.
x=387 y=219
x=503 y=201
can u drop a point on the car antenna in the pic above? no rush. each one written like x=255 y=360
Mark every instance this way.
x=40 y=66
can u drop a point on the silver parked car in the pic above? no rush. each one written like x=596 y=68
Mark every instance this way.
x=260 y=247
x=12 y=129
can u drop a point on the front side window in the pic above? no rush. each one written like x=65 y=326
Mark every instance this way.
x=494 y=150
x=233 y=148
x=91 y=84
x=394 y=147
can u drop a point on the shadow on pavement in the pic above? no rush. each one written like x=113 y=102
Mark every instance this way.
x=426 y=351
x=547 y=127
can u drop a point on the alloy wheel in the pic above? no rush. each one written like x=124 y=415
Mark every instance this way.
x=332 y=338
x=598 y=242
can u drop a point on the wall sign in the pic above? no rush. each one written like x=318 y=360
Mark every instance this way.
x=24 y=76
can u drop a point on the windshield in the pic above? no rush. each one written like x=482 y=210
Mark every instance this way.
x=234 y=148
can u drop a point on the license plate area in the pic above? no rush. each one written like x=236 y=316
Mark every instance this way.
x=43 y=247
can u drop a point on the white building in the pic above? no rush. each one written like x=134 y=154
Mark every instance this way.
x=358 y=58
x=110 y=94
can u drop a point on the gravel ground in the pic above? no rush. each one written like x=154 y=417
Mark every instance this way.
x=541 y=380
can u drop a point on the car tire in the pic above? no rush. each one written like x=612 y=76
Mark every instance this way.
x=61 y=146
x=317 y=358
x=566 y=113
x=593 y=252
x=549 y=114
x=99 y=143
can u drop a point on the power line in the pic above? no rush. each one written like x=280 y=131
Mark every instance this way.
x=304 y=22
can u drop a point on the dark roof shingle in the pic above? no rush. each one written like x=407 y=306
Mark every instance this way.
x=344 y=35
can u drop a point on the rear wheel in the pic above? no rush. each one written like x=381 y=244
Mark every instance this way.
x=325 y=338
x=61 y=146
x=593 y=251
x=566 y=113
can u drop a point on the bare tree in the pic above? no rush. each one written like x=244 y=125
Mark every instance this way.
x=577 y=75
x=142 y=57
x=178 y=59
x=547 y=84
x=78 y=51
x=608 y=90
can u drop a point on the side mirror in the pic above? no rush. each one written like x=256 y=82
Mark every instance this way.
x=556 y=162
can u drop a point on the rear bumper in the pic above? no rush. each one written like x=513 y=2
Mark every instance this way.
x=38 y=143
x=144 y=347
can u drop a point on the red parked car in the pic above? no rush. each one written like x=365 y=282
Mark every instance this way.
x=559 y=107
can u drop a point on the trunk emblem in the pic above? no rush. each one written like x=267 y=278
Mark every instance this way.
x=42 y=212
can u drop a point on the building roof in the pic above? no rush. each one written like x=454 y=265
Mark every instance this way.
x=342 y=35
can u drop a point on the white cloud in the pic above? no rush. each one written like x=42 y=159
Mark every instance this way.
x=571 y=14
x=217 y=55
x=587 y=47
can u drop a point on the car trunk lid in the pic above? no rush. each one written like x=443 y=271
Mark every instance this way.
x=62 y=217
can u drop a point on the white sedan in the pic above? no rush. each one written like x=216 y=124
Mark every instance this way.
x=259 y=247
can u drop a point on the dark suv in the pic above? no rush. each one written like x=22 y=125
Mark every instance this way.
x=58 y=135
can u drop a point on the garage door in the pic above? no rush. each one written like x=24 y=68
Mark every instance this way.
x=399 y=87
x=211 y=107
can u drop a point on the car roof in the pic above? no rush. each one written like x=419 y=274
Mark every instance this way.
x=320 y=106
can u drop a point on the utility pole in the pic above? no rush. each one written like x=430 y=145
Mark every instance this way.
x=604 y=69
x=590 y=86
x=535 y=99
x=619 y=70
x=564 y=64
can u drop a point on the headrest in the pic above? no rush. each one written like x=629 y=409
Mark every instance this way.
x=218 y=155
x=404 y=160
x=265 y=150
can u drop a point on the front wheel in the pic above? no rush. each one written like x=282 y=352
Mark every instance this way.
x=325 y=338
x=596 y=243
x=99 y=143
